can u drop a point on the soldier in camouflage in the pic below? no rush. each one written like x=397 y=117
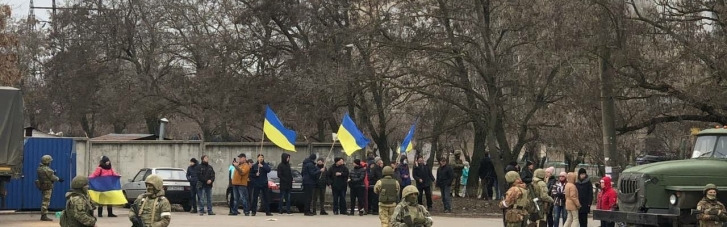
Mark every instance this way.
x=154 y=208
x=46 y=178
x=79 y=209
x=712 y=212
x=516 y=202
x=388 y=190
x=458 y=167
x=409 y=213
x=540 y=190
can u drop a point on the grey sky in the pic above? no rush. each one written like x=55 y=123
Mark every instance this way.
x=20 y=7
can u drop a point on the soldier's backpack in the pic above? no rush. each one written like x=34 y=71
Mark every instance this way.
x=533 y=208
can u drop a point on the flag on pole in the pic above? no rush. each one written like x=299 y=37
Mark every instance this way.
x=351 y=138
x=106 y=190
x=274 y=130
x=407 y=144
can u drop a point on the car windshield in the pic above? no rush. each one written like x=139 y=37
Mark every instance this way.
x=171 y=174
x=710 y=146
x=274 y=174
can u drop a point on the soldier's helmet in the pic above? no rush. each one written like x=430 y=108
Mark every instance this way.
x=709 y=187
x=539 y=173
x=411 y=189
x=388 y=171
x=458 y=152
x=46 y=159
x=155 y=181
x=79 y=182
x=511 y=176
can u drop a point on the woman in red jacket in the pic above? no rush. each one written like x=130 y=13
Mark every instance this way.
x=606 y=199
x=104 y=169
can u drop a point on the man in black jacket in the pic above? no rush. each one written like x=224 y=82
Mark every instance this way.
x=526 y=174
x=205 y=177
x=445 y=176
x=192 y=178
x=259 y=175
x=338 y=176
x=487 y=176
x=424 y=178
x=375 y=174
x=311 y=174
x=585 y=196
x=356 y=184
x=285 y=175
x=319 y=192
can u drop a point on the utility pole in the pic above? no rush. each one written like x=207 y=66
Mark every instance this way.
x=606 y=74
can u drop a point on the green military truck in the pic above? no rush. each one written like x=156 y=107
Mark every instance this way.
x=11 y=137
x=665 y=193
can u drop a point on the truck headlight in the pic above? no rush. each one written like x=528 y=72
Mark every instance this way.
x=673 y=199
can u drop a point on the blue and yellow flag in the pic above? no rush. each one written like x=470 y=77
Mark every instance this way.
x=279 y=135
x=407 y=144
x=351 y=138
x=106 y=190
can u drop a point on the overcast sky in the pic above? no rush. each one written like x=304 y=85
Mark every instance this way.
x=20 y=7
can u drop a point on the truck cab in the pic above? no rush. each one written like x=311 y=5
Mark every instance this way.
x=664 y=193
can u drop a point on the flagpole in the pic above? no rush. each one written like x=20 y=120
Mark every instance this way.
x=262 y=139
x=327 y=156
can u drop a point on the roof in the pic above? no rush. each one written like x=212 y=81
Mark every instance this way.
x=9 y=88
x=124 y=137
x=713 y=131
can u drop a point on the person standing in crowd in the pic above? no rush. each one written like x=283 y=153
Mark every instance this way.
x=516 y=201
x=606 y=199
x=319 y=192
x=550 y=181
x=585 y=196
x=388 y=190
x=488 y=177
x=424 y=178
x=338 y=176
x=557 y=191
x=46 y=178
x=540 y=189
x=512 y=166
x=154 y=208
x=404 y=171
x=311 y=174
x=356 y=185
x=572 y=203
x=712 y=211
x=240 y=179
x=463 y=180
x=285 y=175
x=410 y=214
x=230 y=173
x=458 y=166
x=445 y=176
x=526 y=174
x=79 y=210
x=206 y=176
x=375 y=174
x=104 y=169
x=192 y=173
x=260 y=185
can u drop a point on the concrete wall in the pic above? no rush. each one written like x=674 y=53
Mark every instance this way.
x=127 y=157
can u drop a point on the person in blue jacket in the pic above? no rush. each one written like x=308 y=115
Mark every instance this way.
x=259 y=175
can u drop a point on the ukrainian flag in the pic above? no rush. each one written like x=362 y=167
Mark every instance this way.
x=351 y=138
x=407 y=145
x=106 y=190
x=273 y=128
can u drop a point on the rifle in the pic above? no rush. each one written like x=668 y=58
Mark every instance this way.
x=136 y=221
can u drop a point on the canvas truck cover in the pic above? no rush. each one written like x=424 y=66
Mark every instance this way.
x=11 y=129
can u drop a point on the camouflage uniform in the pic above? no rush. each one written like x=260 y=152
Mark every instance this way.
x=409 y=213
x=79 y=209
x=540 y=190
x=388 y=190
x=516 y=202
x=154 y=208
x=457 y=166
x=713 y=212
x=46 y=178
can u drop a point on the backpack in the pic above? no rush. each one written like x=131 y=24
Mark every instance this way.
x=532 y=206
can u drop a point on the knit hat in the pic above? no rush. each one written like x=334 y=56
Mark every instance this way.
x=550 y=170
x=312 y=157
x=104 y=159
x=377 y=159
x=582 y=171
x=321 y=159
x=194 y=160
x=528 y=163
x=242 y=155
x=336 y=159
x=357 y=162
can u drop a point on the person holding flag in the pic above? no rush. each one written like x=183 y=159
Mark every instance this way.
x=104 y=169
x=105 y=187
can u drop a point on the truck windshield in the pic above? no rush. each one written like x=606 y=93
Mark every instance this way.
x=710 y=146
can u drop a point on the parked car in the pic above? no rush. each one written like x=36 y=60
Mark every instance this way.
x=176 y=186
x=297 y=198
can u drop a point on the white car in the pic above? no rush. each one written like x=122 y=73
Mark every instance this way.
x=177 y=188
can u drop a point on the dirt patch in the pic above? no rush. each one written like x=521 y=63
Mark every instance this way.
x=468 y=207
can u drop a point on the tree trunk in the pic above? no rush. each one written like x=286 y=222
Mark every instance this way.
x=473 y=179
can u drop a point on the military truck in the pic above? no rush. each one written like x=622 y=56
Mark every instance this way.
x=11 y=136
x=665 y=193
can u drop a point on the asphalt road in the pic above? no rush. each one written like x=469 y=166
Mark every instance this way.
x=184 y=219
